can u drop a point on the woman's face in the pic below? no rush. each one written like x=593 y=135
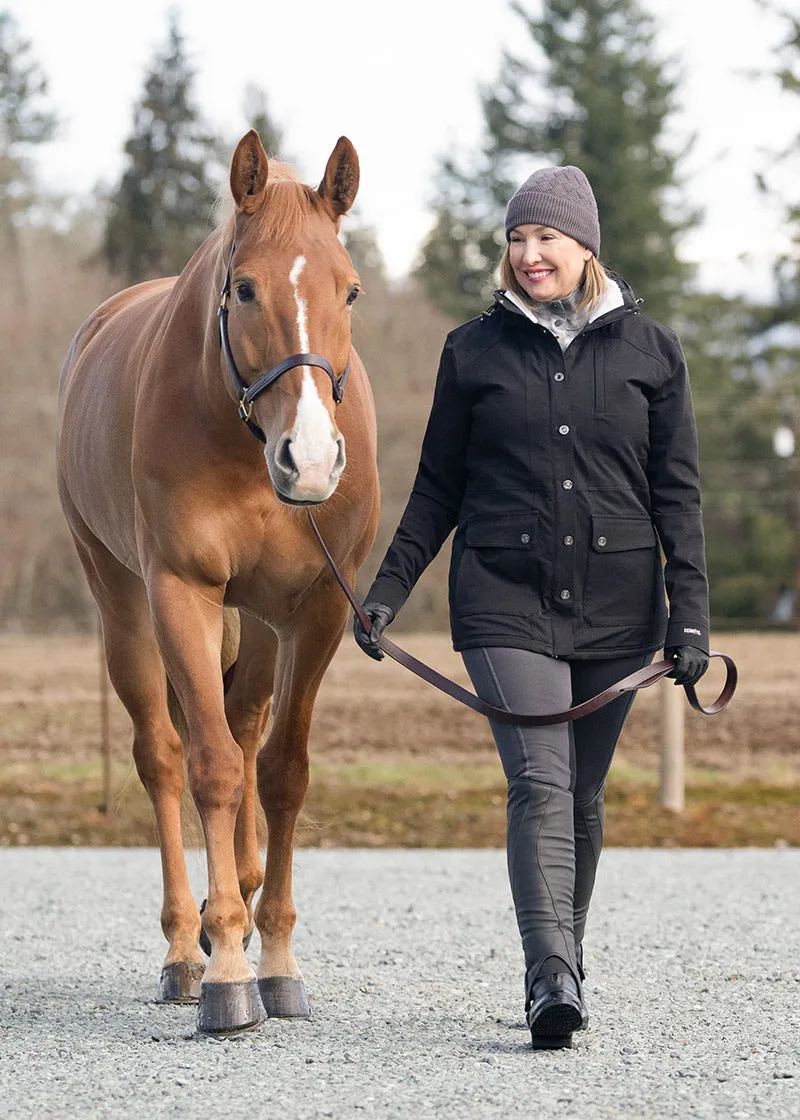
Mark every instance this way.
x=547 y=264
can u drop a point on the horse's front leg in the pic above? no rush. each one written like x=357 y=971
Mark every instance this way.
x=188 y=622
x=247 y=704
x=303 y=657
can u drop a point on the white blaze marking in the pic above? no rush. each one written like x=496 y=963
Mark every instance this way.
x=313 y=439
x=302 y=319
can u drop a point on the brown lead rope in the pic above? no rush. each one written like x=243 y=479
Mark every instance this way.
x=642 y=678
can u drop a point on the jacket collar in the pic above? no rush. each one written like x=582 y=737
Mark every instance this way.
x=617 y=300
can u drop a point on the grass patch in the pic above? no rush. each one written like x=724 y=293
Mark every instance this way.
x=406 y=803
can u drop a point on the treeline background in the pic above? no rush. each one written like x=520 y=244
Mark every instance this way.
x=607 y=104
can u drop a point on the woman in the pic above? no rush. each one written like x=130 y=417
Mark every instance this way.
x=561 y=447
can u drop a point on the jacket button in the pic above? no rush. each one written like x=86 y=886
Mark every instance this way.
x=567 y=483
x=566 y=594
x=525 y=538
x=564 y=430
x=602 y=542
x=569 y=540
x=558 y=376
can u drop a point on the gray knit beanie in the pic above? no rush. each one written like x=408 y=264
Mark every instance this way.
x=559 y=197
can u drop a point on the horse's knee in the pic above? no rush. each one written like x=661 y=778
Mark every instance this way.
x=216 y=776
x=159 y=762
x=282 y=780
x=247 y=721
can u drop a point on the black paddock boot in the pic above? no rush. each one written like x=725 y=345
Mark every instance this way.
x=582 y=974
x=555 y=1010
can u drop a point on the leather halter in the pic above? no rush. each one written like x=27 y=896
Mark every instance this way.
x=248 y=393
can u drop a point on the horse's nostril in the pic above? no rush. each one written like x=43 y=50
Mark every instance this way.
x=341 y=458
x=283 y=456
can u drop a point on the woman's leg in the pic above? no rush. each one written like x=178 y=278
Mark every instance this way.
x=595 y=738
x=536 y=761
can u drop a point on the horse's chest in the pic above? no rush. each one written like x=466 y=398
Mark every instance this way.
x=273 y=574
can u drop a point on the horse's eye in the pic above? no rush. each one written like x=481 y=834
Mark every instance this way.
x=352 y=296
x=245 y=291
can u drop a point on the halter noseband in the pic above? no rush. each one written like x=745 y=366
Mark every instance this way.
x=248 y=393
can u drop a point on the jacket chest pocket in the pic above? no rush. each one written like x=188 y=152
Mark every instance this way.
x=498 y=567
x=622 y=573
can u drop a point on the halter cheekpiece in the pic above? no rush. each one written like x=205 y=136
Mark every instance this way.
x=248 y=393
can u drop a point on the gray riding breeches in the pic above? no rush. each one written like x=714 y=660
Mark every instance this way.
x=556 y=778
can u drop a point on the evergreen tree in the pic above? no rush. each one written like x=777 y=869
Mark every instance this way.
x=787 y=268
x=164 y=204
x=749 y=540
x=458 y=259
x=780 y=322
x=25 y=122
x=595 y=95
x=258 y=116
x=361 y=242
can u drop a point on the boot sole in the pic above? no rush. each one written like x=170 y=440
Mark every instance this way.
x=551 y=1042
x=553 y=1026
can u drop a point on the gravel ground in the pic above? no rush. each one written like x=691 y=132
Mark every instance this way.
x=414 y=971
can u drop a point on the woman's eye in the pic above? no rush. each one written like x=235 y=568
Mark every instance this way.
x=245 y=291
x=352 y=296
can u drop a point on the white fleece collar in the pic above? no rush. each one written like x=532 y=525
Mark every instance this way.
x=566 y=329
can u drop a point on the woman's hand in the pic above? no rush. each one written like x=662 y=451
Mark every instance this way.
x=380 y=616
x=690 y=663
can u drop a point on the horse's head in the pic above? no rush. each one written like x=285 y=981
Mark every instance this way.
x=290 y=288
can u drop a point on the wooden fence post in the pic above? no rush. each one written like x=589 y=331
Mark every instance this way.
x=105 y=737
x=672 y=792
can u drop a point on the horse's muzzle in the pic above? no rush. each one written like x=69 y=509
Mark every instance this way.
x=300 y=482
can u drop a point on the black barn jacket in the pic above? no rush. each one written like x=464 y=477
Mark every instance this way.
x=561 y=473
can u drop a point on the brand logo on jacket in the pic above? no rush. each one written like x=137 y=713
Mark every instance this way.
x=691 y=630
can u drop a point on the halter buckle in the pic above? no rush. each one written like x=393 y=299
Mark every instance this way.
x=245 y=407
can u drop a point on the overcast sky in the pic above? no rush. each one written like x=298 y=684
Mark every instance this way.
x=401 y=81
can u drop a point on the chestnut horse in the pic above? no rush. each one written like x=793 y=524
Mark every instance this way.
x=178 y=512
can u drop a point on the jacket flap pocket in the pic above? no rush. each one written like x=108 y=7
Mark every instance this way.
x=511 y=530
x=618 y=534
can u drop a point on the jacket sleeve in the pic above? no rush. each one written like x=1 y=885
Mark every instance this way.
x=433 y=507
x=675 y=506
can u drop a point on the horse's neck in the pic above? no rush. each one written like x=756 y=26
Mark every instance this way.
x=191 y=329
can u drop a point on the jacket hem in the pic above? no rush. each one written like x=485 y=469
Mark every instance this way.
x=489 y=640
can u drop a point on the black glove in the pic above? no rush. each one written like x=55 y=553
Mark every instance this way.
x=690 y=663
x=380 y=616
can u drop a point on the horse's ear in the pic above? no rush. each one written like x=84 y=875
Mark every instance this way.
x=249 y=170
x=340 y=182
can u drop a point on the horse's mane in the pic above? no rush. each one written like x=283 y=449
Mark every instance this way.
x=287 y=203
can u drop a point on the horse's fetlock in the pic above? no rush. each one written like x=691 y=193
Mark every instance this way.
x=225 y=919
x=175 y=923
x=276 y=921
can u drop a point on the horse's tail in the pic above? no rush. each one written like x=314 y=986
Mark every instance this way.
x=231 y=629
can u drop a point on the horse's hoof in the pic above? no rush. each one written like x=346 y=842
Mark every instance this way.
x=284 y=997
x=180 y=982
x=229 y=1007
x=205 y=944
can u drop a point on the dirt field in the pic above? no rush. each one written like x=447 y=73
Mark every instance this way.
x=396 y=764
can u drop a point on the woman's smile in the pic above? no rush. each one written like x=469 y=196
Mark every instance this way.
x=537 y=274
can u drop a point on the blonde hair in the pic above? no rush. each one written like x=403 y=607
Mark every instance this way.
x=594 y=282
